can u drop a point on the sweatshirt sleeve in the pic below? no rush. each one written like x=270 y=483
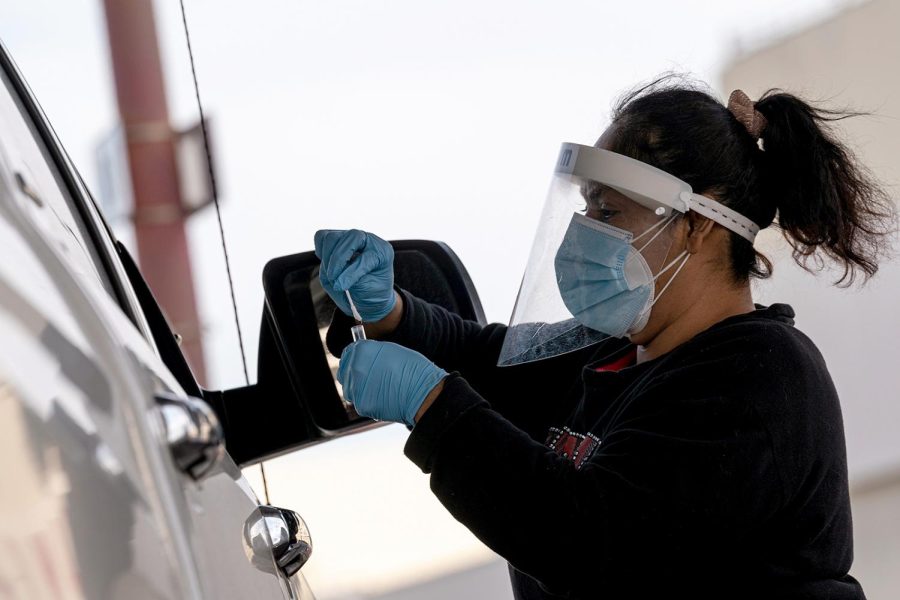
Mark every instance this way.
x=520 y=393
x=665 y=476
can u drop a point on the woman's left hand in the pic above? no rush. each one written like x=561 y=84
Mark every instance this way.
x=386 y=381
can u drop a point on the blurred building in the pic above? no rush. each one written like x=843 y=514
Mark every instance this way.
x=849 y=60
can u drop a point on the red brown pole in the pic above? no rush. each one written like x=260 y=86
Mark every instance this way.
x=158 y=216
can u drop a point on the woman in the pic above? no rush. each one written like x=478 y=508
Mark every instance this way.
x=669 y=438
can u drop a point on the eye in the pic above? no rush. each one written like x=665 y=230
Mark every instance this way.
x=594 y=206
x=606 y=214
x=600 y=213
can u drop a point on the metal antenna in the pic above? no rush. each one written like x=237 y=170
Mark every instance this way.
x=215 y=194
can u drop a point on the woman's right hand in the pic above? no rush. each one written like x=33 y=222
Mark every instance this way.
x=362 y=263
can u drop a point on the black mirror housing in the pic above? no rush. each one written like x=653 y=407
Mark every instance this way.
x=297 y=400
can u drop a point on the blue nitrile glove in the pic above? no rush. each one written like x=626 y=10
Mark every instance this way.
x=386 y=381
x=362 y=263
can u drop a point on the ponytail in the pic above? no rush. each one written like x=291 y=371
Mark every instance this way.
x=826 y=202
x=804 y=181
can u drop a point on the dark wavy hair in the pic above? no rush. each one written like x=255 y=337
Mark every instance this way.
x=803 y=181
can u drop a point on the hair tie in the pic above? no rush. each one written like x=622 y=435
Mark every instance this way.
x=744 y=110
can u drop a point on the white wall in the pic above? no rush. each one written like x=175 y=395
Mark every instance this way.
x=850 y=60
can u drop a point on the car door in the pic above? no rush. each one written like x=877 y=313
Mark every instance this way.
x=80 y=517
x=200 y=521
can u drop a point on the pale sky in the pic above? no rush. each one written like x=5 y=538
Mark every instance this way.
x=411 y=119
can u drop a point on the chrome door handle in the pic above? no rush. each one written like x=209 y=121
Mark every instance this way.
x=279 y=534
x=193 y=433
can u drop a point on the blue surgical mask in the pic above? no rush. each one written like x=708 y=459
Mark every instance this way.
x=604 y=280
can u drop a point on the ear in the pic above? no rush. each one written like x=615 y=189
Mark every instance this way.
x=698 y=228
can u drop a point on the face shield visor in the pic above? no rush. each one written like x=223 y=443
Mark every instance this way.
x=600 y=246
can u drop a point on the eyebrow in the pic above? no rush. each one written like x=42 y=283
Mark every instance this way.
x=592 y=191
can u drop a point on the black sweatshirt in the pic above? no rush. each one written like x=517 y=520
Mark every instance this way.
x=717 y=470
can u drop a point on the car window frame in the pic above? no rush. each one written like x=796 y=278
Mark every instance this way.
x=99 y=233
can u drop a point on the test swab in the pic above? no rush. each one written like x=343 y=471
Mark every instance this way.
x=358 y=331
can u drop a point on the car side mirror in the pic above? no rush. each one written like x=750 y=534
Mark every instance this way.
x=297 y=400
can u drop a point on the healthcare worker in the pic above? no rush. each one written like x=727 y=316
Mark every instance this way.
x=641 y=429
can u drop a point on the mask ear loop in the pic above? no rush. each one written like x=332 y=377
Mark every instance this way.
x=686 y=255
x=674 y=275
x=661 y=226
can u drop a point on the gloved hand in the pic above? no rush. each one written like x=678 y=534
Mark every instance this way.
x=362 y=263
x=387 y=381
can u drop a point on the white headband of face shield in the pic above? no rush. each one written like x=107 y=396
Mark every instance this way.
x=653 y=188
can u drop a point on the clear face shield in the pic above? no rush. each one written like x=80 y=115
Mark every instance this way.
x=600 y=247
